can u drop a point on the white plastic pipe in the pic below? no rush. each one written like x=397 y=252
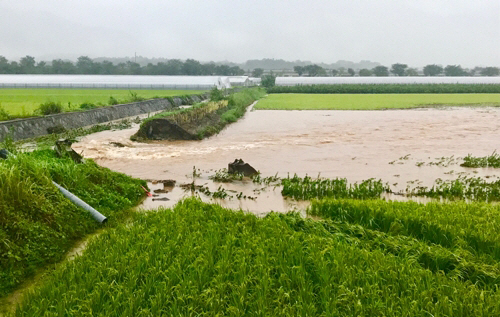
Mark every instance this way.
x=77 y=201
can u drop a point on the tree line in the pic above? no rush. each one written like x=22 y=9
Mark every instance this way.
x=85 y=65
x=397 y=70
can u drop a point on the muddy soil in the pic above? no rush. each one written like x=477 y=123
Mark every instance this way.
x=401 y=147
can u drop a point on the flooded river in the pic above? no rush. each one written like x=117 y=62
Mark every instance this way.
x=400 y=147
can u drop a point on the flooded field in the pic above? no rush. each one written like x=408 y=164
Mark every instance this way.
x=401 y=147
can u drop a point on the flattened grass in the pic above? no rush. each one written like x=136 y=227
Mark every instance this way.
x=25 y=101
x=372 y=101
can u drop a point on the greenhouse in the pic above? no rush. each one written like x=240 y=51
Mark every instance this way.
x=114 y=82
x=239 y=81
x=294 y=81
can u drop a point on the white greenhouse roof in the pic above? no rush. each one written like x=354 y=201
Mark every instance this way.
x=293 y=81
x=111 y=81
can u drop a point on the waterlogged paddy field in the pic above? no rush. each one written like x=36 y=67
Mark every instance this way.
x=363 y=257
x=25 y=101
x=373 y=101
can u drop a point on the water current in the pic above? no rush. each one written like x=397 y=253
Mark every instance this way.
x=401 y=147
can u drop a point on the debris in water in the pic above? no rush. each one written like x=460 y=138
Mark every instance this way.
x=238 y=166
x=161 y=199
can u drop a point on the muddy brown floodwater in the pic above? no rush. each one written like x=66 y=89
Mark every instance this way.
x=400 y=147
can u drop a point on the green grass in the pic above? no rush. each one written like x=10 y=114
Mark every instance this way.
x=25 y=101
x=492 y=160
x=203 y=260
x=372 y=101
x=37 y=224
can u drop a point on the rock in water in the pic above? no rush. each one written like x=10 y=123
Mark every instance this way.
x=238 y=166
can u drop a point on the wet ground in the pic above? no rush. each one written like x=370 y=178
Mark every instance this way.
x=401 y=147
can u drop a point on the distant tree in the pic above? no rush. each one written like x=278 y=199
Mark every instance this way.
x=398 y=69
x=4 y=65
x=341 y=71
x=365 y=72
x=381 y=71
x=490 y=71
x=268 y=81
x=432 y=70
x=63 y=67
x=334 y=72
x=133 y=68
x=411 y=72
x=236 y=71
x=351 y=72
x=223 y=70
x=191 y=67
x=42 y=68
x=208 y=69
x=298 y=69
x=85 y=65
x=314 y=70
x=27 y=65
x=257 y=72
x=455 y=70
x=107 y=68
x=173 y=67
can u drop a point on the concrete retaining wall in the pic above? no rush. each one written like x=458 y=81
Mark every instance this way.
x=33 y=127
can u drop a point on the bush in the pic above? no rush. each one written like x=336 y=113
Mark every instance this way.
x=216 y=94
x=112 y=101
x=4 y=115
x=50 y=107
x=87 y=106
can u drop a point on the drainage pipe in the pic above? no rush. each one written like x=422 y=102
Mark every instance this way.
x=77 y=201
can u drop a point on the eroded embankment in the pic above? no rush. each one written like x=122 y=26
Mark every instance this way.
x=199 y=121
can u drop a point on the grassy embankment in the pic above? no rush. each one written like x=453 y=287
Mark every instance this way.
x=37 y=224
x=373 y=101
x=24 y=102
x=368 y=258
x=206 y=119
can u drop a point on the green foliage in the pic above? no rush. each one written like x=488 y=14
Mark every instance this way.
x=216 y=94
x=365 y=72
x=24 y=102
x=4 y=115
x=201 y=259
x=37 y=224
x=388 y=89
x=492 y=160
x=471 y=188
x=50 y=107
x=373 y=101
x=222 y=176
x=134 y=97
x=399 y=69
x=268 y=81
x=472 y=227
x=87 y=106
x=112 y=101
x=433 y=70
x=380 y=71
x=308 y=188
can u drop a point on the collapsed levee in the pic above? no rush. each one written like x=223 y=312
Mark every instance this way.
x=199 y=121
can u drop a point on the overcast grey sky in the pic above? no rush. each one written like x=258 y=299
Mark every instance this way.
x=416 y=32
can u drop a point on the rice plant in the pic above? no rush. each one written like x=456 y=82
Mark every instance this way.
x=203 y=260
x=492 y=160
x=308 y=188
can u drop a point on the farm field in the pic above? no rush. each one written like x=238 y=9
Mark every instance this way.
x=25 y=101
x=372 y=101
x=201 y=259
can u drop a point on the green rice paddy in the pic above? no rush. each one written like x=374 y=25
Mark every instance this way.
x=22 y=102
x=373 y=101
